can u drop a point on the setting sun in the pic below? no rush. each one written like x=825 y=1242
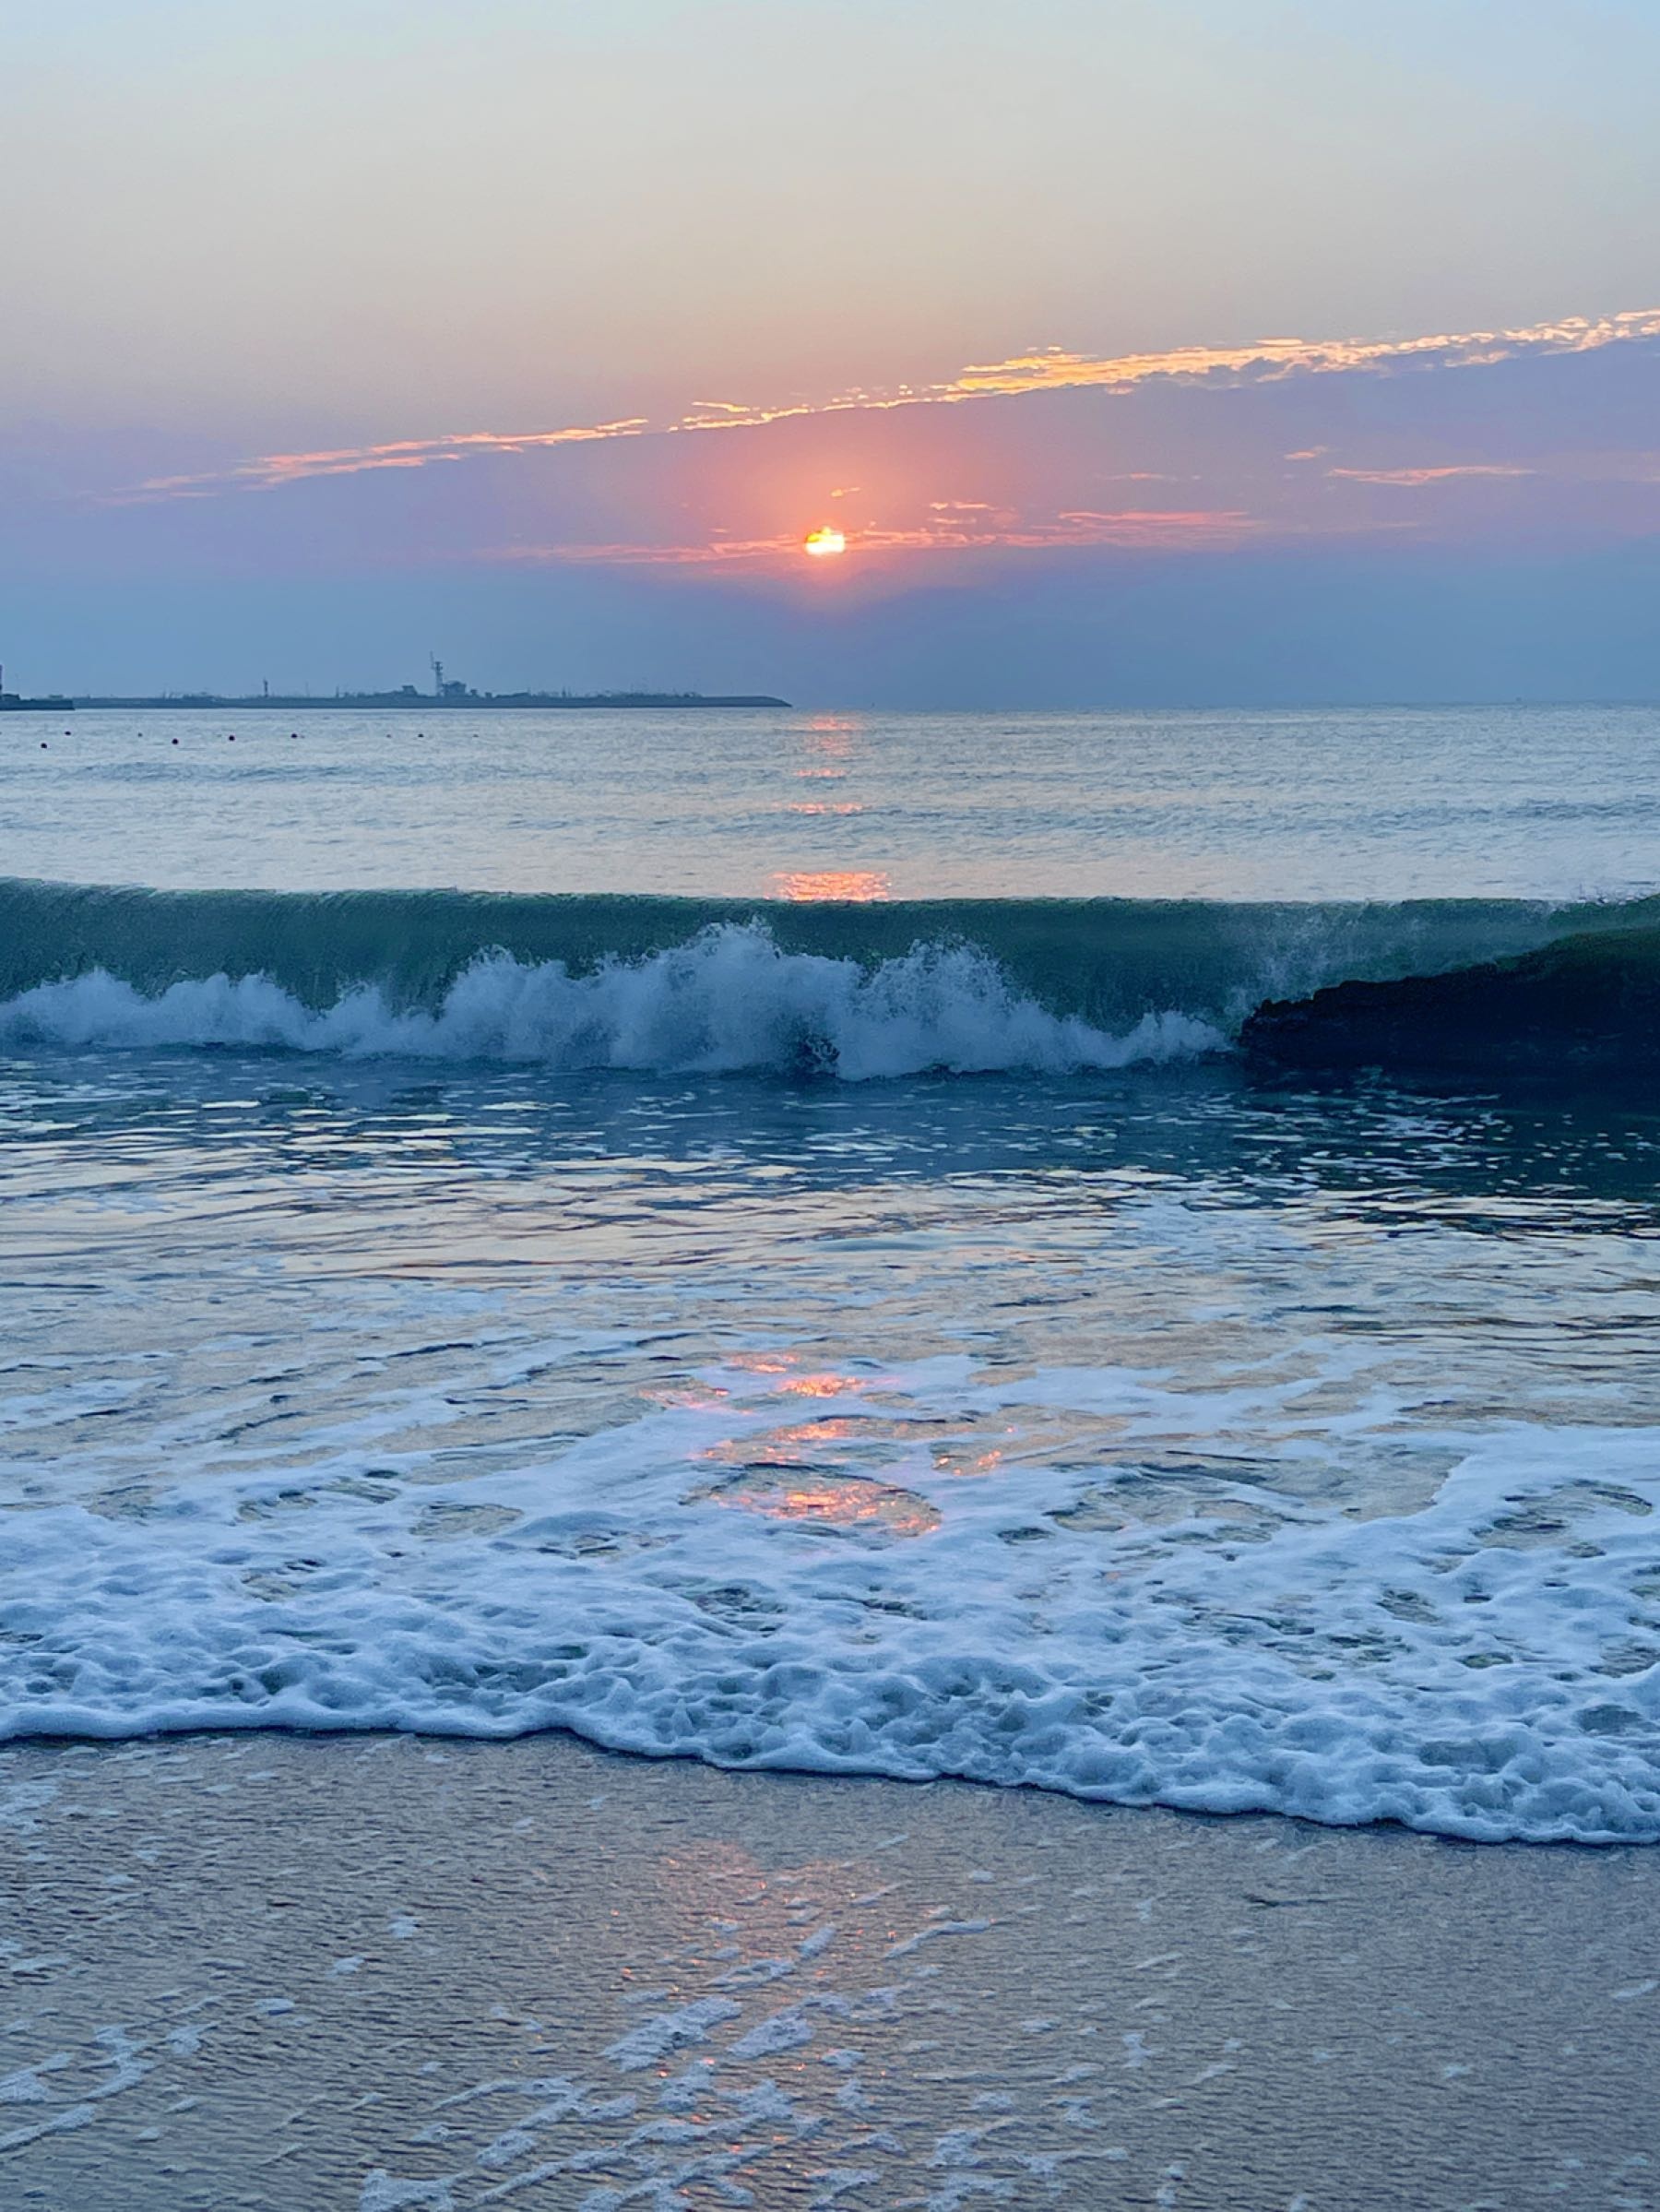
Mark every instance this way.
x=820 y=544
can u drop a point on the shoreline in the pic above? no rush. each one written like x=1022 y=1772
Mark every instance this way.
x=378 y=1973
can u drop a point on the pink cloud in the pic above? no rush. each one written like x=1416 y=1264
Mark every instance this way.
x=1416 y=477
x=1267 y=359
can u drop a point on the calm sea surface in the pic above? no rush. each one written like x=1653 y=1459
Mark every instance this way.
x=1314 y=804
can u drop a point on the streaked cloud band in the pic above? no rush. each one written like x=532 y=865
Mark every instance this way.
x=1264 y=360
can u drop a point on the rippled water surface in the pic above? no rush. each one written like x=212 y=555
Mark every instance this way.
x=1153 y=1437
x=665 y=1345
x=1558 y=801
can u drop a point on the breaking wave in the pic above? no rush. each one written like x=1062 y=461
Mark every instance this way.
x=685 y=985
x=729 y=1000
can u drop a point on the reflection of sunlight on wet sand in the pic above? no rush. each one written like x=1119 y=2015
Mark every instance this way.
x=858 y=885
x=729 y=1905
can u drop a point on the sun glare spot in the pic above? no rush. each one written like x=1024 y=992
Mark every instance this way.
x=824 y=541
x=806 y=887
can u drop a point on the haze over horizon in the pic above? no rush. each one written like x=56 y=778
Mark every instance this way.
x=1200 y=352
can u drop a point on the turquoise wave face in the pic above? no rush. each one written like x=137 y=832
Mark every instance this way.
x=1106 y=961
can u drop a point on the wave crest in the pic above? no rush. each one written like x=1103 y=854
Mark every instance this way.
x=729 y=999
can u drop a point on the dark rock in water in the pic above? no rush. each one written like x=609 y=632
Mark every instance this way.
x=1587 y=1005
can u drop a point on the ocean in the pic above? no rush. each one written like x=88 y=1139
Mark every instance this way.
x=766 y=1238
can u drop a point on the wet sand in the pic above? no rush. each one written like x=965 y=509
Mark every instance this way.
x=377 y=1973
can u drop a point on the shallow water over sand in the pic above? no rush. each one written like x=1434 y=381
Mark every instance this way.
x=1150 y=1438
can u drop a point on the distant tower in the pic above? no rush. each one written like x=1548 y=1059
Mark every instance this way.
x=437 y=677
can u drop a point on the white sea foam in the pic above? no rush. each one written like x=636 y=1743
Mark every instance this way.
x=729 y=999
x=1477 y=1659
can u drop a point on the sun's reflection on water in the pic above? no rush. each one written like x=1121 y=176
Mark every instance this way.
x=858 y=885
x=829 y=749
x=833 y=1504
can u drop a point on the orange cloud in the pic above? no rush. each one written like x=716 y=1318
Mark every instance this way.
x=1271 y=358
x=1415 y=477
x=1265 y=359
x=271 y=471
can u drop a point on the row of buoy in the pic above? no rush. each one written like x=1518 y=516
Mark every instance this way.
x=229 y=737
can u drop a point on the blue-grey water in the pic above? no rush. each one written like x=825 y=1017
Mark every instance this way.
x=749 y=1235
x=1305 y=805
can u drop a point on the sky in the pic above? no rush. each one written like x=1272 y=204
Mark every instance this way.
x=1138 y=350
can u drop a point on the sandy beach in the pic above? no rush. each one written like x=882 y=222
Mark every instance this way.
x=376 y=1972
